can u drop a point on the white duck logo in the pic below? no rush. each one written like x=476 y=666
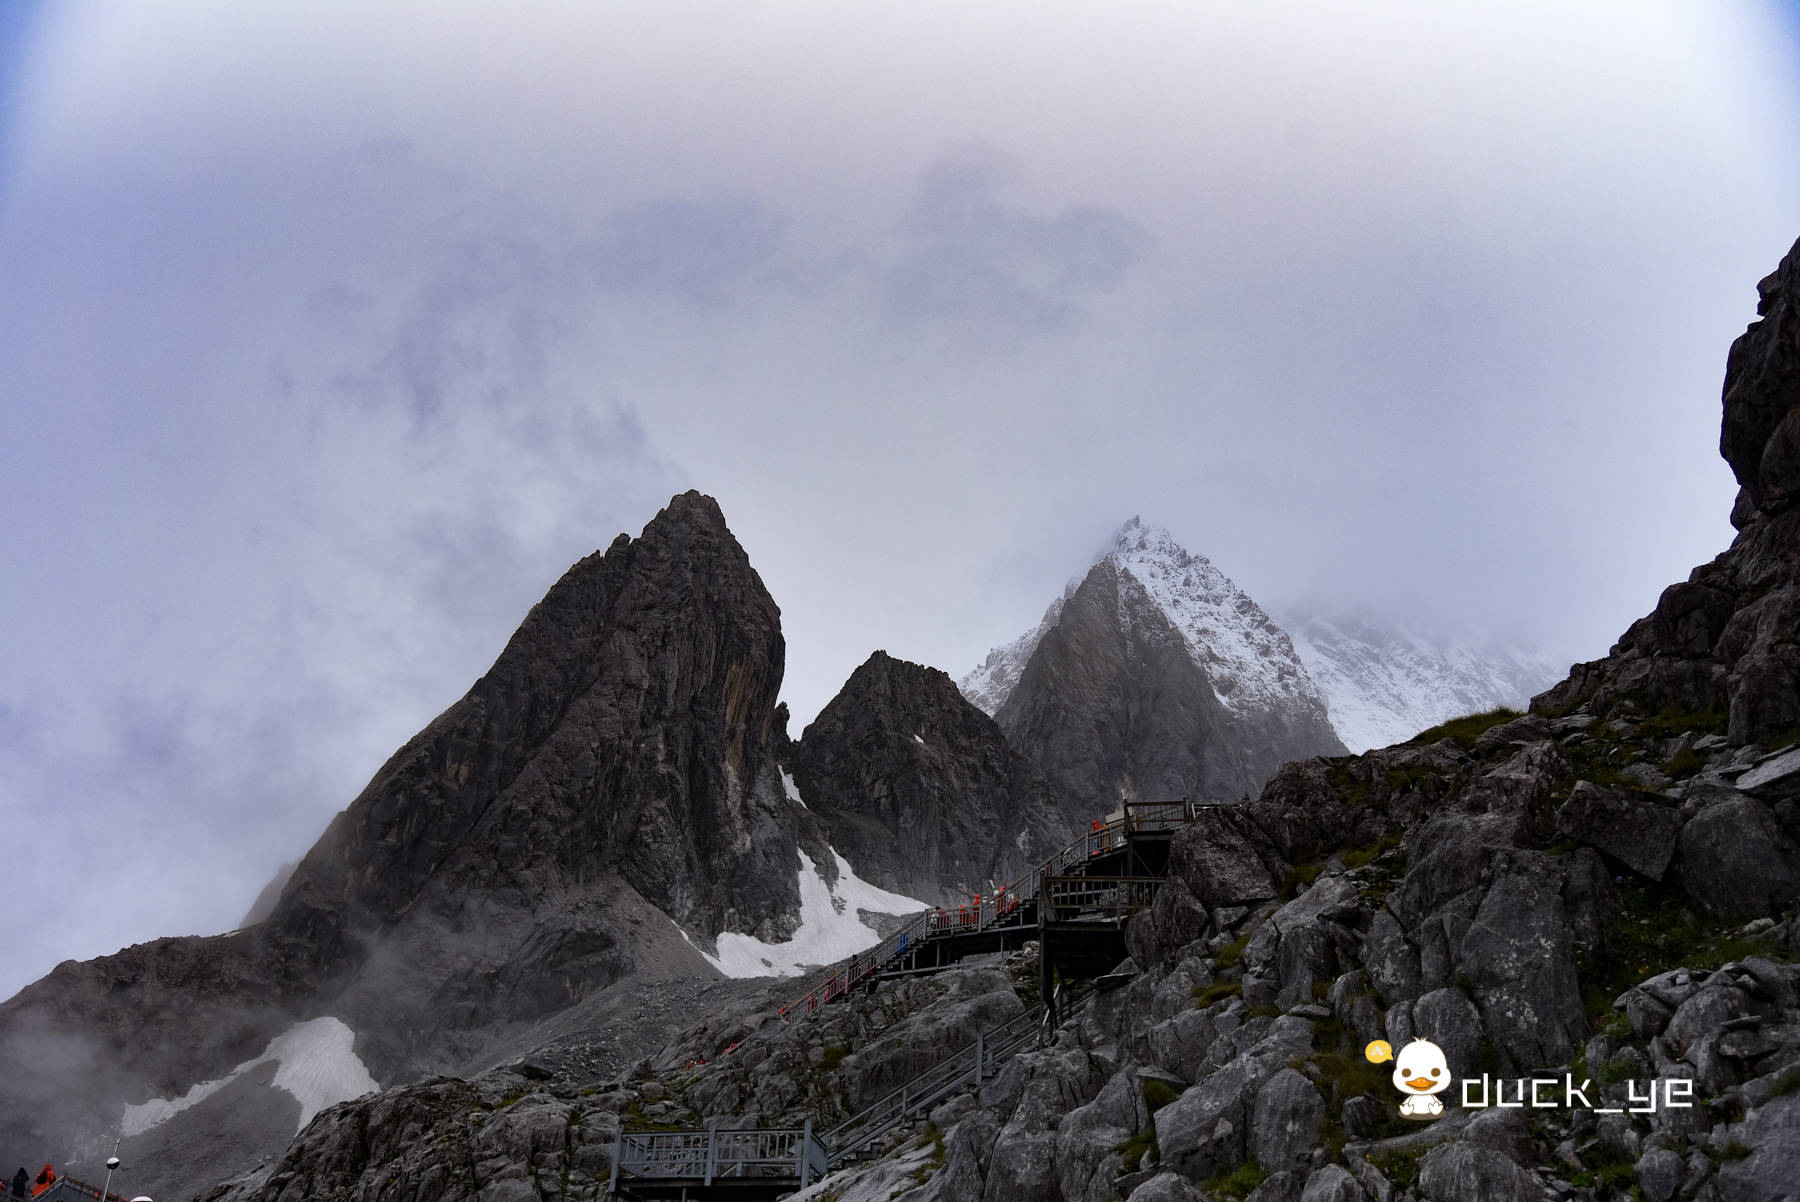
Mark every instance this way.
x=1419 y=1072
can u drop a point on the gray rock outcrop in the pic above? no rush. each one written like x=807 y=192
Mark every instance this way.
x=919 y=789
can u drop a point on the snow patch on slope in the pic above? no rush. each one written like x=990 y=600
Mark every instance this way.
x=315 y=1061
x=830 y=927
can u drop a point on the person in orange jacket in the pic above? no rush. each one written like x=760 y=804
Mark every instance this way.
x=45 y=1179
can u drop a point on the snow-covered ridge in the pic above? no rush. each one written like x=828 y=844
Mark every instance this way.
x=1384 y=684
x=993 y=682
x=1379 y=684
x=315 y=1061
x=830 y=927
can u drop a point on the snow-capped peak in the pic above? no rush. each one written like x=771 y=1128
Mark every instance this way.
x=1249 y=659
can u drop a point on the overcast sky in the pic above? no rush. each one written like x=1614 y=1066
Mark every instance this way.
x=331 y=334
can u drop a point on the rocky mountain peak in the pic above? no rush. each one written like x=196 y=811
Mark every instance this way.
x=1160 y=680
x=918 y=788
x=608 y=782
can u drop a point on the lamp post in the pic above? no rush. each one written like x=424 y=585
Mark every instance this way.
x=112 y=1162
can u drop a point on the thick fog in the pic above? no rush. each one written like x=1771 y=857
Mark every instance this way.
x=333 y=335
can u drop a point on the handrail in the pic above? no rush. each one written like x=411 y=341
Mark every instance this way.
x=709 y=1154
x=1007 y=900
x=949 y=1068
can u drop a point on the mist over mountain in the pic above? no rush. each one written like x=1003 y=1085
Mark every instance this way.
x=1154 y=678
x=1379 y=680
x=1384 y=683
x=554 y=875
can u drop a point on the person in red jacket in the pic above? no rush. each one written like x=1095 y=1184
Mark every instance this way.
x=45 y=1179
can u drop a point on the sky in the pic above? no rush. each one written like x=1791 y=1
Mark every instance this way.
x=332 y=334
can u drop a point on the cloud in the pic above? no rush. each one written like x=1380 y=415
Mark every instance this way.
x=703 y=251
x=323 y=366
x=968 y=262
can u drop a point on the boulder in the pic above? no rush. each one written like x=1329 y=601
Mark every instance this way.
x=1220 y=859
x=1772 y=1135
x=1762 y=389
x=1175 y=919
x=1285 y=1120
x=1333 y=1183
x=1167 y=1187
x=1777 y=776
x=1660 y=1174
x=1449 y=1019
x=1088 y=1137
x=1734 y=859
x=1519 y=956
x=1639 y=834
x=1465 y=1172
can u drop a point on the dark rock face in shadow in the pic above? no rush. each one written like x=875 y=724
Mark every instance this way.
x=918 y=789
x=1112 y=706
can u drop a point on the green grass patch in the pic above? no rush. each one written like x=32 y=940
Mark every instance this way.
x=1206 y=995
x=1684 y=763
x=833 y=1056
x=1158 y=1094
x=1301 y=874
x=1616 y=1070
x=1134 y=1150
x=633 y=1116
x=1240 y=1183
x=1400 y=1167
x=1399 y=780
x=1667 y=723
x=1657 y=931
x=1232 y=954
x=1351 y=789
x=1467 y=729
x=1363 y=856
x=1602 y=763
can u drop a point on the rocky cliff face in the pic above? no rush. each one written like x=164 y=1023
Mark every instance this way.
x=611 y=776
x=1160 y=679
x=918 y=788
x=1726 y=641
x=624 y=734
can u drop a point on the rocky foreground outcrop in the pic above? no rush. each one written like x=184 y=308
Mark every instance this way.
x=1597 y=899
x=918 y=789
